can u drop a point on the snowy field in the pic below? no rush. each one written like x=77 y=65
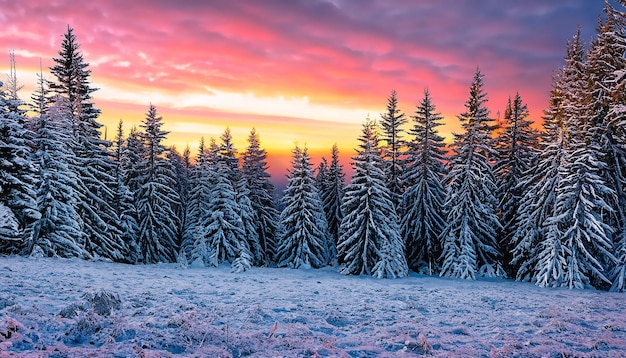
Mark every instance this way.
x=59 y=308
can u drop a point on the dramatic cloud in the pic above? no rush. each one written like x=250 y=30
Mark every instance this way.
x=306 y=71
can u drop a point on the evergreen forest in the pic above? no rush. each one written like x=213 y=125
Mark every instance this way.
x=543 y=203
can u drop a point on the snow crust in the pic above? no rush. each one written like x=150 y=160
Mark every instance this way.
x=74 y=308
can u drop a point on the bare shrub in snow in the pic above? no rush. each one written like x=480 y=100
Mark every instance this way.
x=72 y=310
x=8 y=327
x=103 y=302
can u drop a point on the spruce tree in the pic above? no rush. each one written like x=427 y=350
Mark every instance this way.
x=303 y=231
x=391 y=122
x=199 y=200
x=538 y=201
x=254 y=171
x=228 y=165
x=321 y=174
x=516 y=147
x=227 y=153
x=40 y=99
x=606 y=66
x=93 y=166
x=155 y=198
x=470 y=247
x=123 y=200
x=564 y=239
x=181 y=167
x=369 y=238
x=133 y=155
x=331 y=195
x=58 y=232
x=17 y=181
x=423 y=216
x=221 y=236
x=250 y=253
x=578 y=220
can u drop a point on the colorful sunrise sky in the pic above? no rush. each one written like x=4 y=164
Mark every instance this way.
x=301 y=71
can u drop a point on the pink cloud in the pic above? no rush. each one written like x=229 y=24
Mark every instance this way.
x=343 y=53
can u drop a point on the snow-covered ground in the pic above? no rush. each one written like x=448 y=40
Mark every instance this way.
x=58 y=308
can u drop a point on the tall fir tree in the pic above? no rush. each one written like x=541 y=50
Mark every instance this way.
x=254 y=171
x=391 y=122
x=605 y=69
x=93 y=166
x=423 y=216
x=227 y=153
x=250 y=253
x=369 y=239
x=303 y=231
x=563 y=239
x=579 y=217
x=201 y=181
x=248 y=245
x=321 y=174
x=123 y=200
x=155 y=198
x=181 y=167
x=40 y=98
x=58 y=232
x=470 y=245
x=332 y=194
x=133 y=155
x=18 y=172
x=221 y=237
x=516 y=146
x=538 y=201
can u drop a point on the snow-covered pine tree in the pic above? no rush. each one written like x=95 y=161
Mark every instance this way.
x=331 y=195
x=155 y=198
x=516 y=146
x=261 y=190
x=606 y=67
x=93 y=165
x=580 y=208
x=562 y=238
x=369 y=239
x=321 y=174
x=227 y=153
x=538 y=201
x=303 y=231
x=616 y=133
x=132 y=166
x=221 y=235
x=470 y=246
x=423 y=216
x=58 y=232
x=391 y=122
x=133 y=156
x=199 y=199
x=250 y=249
x=212 y=153
x=40 y=98
x=18 y=172
x=249 y=239
x=123 y=200
x=181 y=166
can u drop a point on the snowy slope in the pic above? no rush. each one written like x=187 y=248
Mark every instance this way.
x=48 y=306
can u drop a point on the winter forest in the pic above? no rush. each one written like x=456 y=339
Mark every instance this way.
x=504 y=199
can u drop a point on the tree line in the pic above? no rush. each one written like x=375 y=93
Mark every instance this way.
x=503 y=199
